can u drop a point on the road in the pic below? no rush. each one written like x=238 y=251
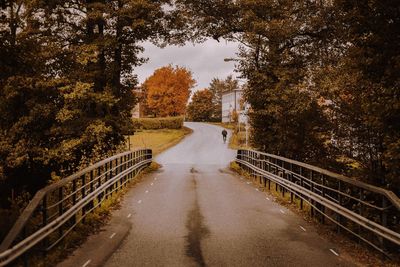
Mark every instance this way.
x=195 y=212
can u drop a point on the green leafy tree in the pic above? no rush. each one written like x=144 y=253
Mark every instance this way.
x=201 y=107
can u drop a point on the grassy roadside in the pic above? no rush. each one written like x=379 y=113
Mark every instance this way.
x=358 y=253
x=158 y=140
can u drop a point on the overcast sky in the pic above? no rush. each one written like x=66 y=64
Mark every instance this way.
x=206 y=60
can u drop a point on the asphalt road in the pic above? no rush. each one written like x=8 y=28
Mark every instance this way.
x=195 y=212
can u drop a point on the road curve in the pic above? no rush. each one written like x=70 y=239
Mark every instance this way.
x=195 y=212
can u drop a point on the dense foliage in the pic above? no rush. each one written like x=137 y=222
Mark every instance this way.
x=167 y=91
x=66 y=83
x=323 y=80
x=201 y=106
x=158 y=123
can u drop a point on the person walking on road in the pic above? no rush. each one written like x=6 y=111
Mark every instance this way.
x=224 y=134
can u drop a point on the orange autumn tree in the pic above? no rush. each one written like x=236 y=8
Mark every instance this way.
x=167 y=91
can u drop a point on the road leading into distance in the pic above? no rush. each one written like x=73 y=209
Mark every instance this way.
x=195 y=212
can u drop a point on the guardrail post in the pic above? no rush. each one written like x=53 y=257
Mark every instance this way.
x=126 y=167
x=338 y=216
x=91 y=176
x=83 y=193
x=322 y=207
x=74 y=197
x=312 y=190
x=44 y=223
x=117 y=171
x=106 y=173
x=60 y=207
x=360 y=211
x=301 y=184
x=384 y=220
x=291 y=179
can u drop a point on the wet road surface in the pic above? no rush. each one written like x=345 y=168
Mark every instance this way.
x=195 y=212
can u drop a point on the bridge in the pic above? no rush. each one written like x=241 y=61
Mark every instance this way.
x=195 y=211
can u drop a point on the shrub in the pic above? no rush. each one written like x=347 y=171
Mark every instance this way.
x=158 y=123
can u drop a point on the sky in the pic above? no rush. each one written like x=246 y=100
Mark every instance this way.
x=205 y=60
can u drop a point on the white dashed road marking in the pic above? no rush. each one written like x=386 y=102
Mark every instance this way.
x=151 y=184
x=257 y=189
x=334 y=252
x=86 y=263
x=282 y=211
x=267 y=198
x=129 y=215
x=248 y=183
x=111 y=236
x=302 y=228
x=147 y=191
x=139 y=201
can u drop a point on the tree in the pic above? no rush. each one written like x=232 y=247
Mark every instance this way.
x=322 y=77
x=66 y=75
x=201 y=108
x=278 y=42
x=362 y=84
x=167 y=91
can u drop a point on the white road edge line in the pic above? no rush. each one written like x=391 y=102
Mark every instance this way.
x=257 y=189
x=282 y=211
x=139 y=201
x=86 y=263
x=267 y=198
x=111 y=236
x=302 y=228
x=334 y=252
x=129 y=215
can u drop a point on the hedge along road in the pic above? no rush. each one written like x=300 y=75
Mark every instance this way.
x=195 y=212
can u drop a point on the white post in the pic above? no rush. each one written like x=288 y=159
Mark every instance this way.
x=247 y=134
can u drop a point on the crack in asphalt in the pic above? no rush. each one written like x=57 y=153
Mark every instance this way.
x=196 y=231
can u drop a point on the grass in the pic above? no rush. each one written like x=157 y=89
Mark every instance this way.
x=158 y=140
x=238 y=138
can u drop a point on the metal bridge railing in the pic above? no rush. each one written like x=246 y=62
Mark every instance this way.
x=56 y=209
x=370 y=213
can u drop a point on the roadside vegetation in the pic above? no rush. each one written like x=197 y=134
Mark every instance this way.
x=237 y=139
x=158 y=134
x=158 y=140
